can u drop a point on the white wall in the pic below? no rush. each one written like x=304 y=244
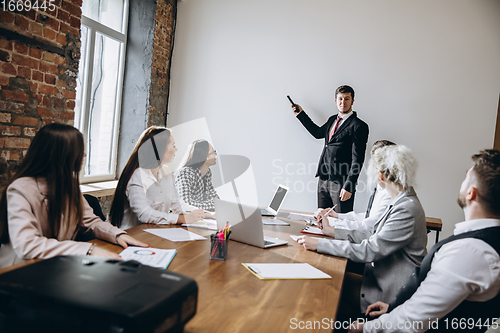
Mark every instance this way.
x=426 y=74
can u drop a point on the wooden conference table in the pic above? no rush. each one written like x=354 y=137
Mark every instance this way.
x=231 y=299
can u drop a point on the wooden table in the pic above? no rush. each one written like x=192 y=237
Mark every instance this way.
x=435 y=224
x=231 y=296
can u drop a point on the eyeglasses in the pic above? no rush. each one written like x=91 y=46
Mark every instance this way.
x=214 y=152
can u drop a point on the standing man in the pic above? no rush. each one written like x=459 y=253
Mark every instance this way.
x=343 y=154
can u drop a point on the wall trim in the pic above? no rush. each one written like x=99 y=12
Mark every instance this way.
x=496 y=143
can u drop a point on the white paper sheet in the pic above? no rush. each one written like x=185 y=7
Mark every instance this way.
x=204 y=224
x=149 y=256
x=297 y=237
x=175 y=234
x=287 y=271
x=273 y=221
x=312 y=230
x=303 y=217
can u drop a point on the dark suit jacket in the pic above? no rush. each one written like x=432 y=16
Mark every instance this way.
x=343 y=156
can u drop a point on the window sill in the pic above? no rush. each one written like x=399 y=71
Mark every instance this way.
x=99 y=189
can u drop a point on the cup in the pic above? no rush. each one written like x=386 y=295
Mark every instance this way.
x=218 y=247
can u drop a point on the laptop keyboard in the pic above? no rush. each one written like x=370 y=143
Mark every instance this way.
x=266 y=242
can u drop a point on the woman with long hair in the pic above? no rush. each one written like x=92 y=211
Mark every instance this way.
x=397 y=242
x=194 y=180
x=145 y=192
x=42 y=209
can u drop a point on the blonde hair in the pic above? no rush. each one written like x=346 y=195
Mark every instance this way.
x=397 y=164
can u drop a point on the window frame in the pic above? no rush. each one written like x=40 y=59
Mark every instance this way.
x=83 y=123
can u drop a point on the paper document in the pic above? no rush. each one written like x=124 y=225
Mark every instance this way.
x=204 y=224
x=273 y=221
x=175 y=234
x=149 y=256
x=303 y=217
x=312 y=230
x=297 y=237
x=286 y=271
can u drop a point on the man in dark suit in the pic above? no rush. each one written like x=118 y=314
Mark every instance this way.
x=343 y=154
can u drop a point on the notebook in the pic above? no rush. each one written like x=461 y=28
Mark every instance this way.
x=246 y=224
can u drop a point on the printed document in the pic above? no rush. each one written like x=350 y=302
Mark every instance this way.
x=149 y=256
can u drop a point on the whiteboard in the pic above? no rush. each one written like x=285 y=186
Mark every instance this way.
x=419 y=70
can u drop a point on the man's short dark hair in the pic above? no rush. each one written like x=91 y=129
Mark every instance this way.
x=344 y=90
x=487 y=170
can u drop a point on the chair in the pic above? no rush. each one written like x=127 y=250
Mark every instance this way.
x=96 y=206
x=84 y=235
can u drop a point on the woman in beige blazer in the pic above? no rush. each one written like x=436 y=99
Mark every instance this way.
x=42 y=209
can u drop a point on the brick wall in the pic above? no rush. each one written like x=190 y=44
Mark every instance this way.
x=39 y=54
x=166 y=13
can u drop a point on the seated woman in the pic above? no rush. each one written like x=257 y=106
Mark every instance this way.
x=194 y=180
x=42 y=208
x=379 y=200
x=397 y=242
x=145 y=192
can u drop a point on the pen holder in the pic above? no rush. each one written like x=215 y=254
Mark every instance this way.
x=218 y=247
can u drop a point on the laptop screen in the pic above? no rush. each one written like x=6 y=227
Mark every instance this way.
x=278 y=198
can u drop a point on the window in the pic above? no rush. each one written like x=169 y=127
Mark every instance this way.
x=99 y=84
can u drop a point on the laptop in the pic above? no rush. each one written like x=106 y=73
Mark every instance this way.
x=277 y=200
x=246 y=224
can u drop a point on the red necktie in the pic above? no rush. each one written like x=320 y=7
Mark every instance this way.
x=335 y=127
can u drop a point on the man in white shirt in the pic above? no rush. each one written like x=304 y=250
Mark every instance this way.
x=458 y=284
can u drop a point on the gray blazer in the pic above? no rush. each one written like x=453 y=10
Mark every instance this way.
x=391 y=250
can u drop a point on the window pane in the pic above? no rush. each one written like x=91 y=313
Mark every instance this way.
x=107 y=12
x=80 y=81
x=102 y=106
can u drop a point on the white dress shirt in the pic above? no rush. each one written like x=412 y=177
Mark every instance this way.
x=357 y=221
x=343 y=118
x=150 y=200
x=464 y=269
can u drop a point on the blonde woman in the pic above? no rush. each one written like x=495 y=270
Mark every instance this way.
x=397 y=242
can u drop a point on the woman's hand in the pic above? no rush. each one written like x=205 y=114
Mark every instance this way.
x=324 y=225
x=323 y=211
x=332 y=213
x=309 y=243
x=195 y=216
x=100 y=252
x=209 y=215
x=125 y=240
x=377 y=309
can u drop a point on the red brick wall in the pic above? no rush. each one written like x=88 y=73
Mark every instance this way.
x=166 y=12
x=39 y=54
